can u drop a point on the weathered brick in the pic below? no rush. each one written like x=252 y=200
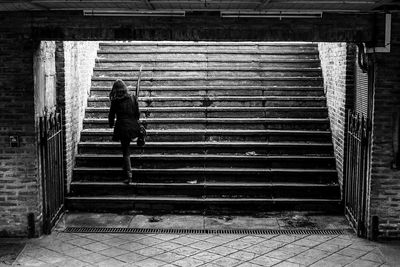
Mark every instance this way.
x=337 y=64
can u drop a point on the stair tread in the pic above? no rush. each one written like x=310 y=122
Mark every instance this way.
x=209 y=87
x=202 y=156
x=143 y=109
x=153 y=98
x=226 y=144
x=200 y=199
x=191 y=60
x=207 y=43
x=216 y=184
x=208 y=51
x=220 y=120
x=247 y=69
x=208 y=169
x=107 y=131
x=184 y=78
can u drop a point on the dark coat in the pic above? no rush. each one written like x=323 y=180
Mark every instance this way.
x=127 y=125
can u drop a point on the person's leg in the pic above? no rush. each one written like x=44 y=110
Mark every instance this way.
x=127 y=161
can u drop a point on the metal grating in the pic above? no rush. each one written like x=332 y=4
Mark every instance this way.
x=113 y=230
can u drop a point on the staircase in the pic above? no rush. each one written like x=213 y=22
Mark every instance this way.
x=232 y=127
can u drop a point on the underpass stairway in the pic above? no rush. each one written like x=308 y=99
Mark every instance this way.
x=232 y=127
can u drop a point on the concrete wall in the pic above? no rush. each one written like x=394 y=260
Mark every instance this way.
x=337 y=63
x=79 y=61
x=385 y=179
x=44 y=67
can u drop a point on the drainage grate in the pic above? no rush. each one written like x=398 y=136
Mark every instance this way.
x=110 y=230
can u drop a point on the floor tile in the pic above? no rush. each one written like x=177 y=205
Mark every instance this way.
x=243 y=255
x=363 y=263
x=113 y=252
x=339 y=259
x=110 y=262
x=265 y=261
x=116 y=241
x=130 y=257
x=150 y=241
x=131 y=246
x=259 y=249
x=188 y=262
x=76 y=252
x=315 y=253
x=287 y=238
x=80 y=241
x=93 y=258
x=375 y=256
x=280 y=255
x=248 y=264
x=202 y=245
x=225 y=261
x=96 y=246
x=222 y=250
x=289 y=264
x=167 y=246
x=302 y=259
x=186 y=251
x=150 y=251
x=183 y=240
x=351 y=252
x=237 y=244
x=168 y=257
x=206 y=256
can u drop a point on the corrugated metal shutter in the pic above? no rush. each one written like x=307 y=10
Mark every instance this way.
x=361 y=90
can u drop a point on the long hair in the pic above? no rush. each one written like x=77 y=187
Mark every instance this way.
x=119 y=90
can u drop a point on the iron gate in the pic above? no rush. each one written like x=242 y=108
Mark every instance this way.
x=52 y=165
x=357 y=158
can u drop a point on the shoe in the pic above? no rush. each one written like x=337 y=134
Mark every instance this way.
x=128 y=180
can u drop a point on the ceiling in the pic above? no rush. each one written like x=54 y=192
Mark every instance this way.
x=204 y=5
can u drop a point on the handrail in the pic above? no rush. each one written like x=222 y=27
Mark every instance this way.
x=138 y=81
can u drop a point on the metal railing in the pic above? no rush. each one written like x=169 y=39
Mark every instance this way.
x=52 y=168
x=356 y=172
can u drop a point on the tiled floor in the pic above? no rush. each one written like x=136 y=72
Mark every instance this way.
x=64 y=249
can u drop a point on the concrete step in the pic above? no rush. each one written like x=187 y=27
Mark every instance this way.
x=201 y=46
x=235 y=148
x=201 y=205
x=210 y=56
x=195 y=81
x=208 y=52
x=219 y=112
x=220 y=101
x=201 y=160
x=221 y=135
x=170 y=91
x=222 y=174
x=204 y=63
x=126 y=72
x=222 y=123
x=208 y=189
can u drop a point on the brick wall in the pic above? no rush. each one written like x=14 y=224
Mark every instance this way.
x=78 y=62
x=385 y=180
x=19 y=180
x=337 y=65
